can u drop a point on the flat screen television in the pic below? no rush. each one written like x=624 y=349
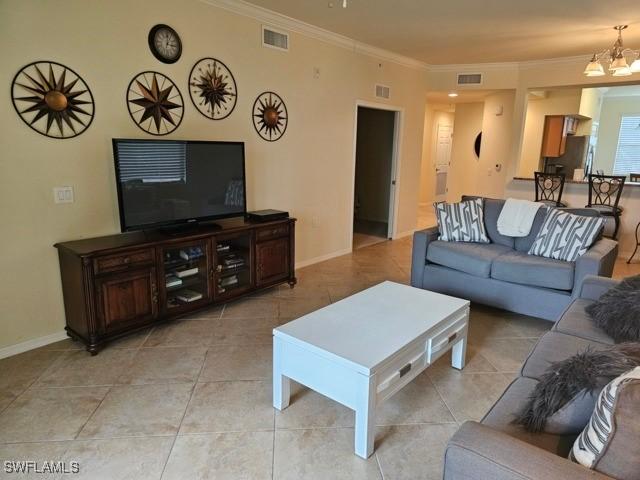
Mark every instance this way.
x=164 y=183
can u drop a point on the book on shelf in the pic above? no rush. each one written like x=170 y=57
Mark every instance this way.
x=185 y=272
x=222 y=248
x=172 y=280
x=228 y=281
x=191 y=253
x=188 y=296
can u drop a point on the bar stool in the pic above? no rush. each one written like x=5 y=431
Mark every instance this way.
x=549 y=187
x=604 y=196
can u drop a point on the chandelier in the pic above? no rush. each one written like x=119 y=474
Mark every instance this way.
x=616 y=56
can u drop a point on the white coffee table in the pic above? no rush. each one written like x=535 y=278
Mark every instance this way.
x=363 y=349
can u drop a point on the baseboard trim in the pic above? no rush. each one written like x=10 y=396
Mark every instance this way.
x=404 y=234
x=322 y=258
x=31 y=344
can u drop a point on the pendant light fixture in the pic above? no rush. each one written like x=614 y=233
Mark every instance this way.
x=617 y=57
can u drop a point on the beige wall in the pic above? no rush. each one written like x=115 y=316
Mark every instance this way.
x=590 y=106
x=309 y=172
x=432 y=118
x=465 y=166
x=612 y=110
x=558 y=102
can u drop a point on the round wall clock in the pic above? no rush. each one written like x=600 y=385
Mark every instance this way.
x=155 y=103
x=212 y=88
x=52 y=99
x=270 y=116
x=165 y=44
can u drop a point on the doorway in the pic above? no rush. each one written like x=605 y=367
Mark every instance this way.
x=375 y=184
x=443 y=159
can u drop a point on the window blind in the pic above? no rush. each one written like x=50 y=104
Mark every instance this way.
x=628 y=152
x=152 y=162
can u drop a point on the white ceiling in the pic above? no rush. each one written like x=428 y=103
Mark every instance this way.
x=473 y=31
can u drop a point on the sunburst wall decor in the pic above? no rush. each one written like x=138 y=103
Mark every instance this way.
x=52 y=99
x=212 y=88
x=270 y=117
x=155 y=103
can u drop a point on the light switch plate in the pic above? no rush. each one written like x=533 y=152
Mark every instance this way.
x=63 y=194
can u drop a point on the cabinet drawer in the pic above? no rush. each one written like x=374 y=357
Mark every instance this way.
x=122 y=261
x=450 y=334
x=272 y=232
x=401 y=370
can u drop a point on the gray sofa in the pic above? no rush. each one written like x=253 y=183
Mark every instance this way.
x=499 y=450
x=501 y=273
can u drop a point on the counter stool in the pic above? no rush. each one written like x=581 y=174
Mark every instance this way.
x=604 y=196
x=549 y=187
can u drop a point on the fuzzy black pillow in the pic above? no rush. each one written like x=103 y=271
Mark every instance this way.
x=586 y=371
x=618 y=311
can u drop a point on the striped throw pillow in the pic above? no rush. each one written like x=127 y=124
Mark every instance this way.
x=608 y=430
x=461 y=222
x=565 y=236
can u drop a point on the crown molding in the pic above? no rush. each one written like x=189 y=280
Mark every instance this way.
x=278 y=20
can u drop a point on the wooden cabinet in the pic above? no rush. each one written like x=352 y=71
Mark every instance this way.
x=556 y=129
x=126 y=300
x=115 y=285
x=272 y=260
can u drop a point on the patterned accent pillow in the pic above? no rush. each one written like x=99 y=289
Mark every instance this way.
x=609 y=443
x=461 y=222
x=565 y=236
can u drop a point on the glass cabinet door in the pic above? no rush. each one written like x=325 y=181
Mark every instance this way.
x=186 y=273
x=234 y=260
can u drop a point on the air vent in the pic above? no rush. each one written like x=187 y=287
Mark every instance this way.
x=382 y=91
x=274 y=39
x=469 y=79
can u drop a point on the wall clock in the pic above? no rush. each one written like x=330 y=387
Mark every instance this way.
x=165 y=43
x=212 y=88
x=52 y=99
x=155 y=103
x=270 y=116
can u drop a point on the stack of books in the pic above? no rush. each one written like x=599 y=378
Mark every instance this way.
x=172 y=280
x=188 y=296
x=232 y=261
x=191 y=253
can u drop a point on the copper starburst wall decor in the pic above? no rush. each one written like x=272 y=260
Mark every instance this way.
x=270 y=116
x=212 y=88
x=155 y=103
x=52 y=99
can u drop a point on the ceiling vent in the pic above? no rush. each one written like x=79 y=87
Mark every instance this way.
x=469 y=79
x=275 y=39
x=382 y=91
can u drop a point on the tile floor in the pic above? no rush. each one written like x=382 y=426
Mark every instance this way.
x=192 y=399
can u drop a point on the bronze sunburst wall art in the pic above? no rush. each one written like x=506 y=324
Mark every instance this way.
x=212 y=88
x=270 y=117
x=155 y=103
x=52 y=99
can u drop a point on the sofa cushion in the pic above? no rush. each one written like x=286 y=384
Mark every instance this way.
x=492 y=209
x=523 y=244
x=519 y=267
x=504 y=411
x=552 y=347
x=472 y=258
x=575 y=321
x=462 y=222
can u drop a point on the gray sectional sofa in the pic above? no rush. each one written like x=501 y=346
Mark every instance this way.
x=495 y=448
x=501 y=273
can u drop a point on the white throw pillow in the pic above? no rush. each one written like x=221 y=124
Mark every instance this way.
x=565 y=236
x=461 y=222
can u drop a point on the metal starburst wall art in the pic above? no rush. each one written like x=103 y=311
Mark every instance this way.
x=212 y=88
x=270 y=117
x=52 y=99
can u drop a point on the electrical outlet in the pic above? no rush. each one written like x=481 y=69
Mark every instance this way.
x=315 y=221
x=63 y=194
x=316 y=72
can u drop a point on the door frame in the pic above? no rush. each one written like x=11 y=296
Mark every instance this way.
x=395 y=165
